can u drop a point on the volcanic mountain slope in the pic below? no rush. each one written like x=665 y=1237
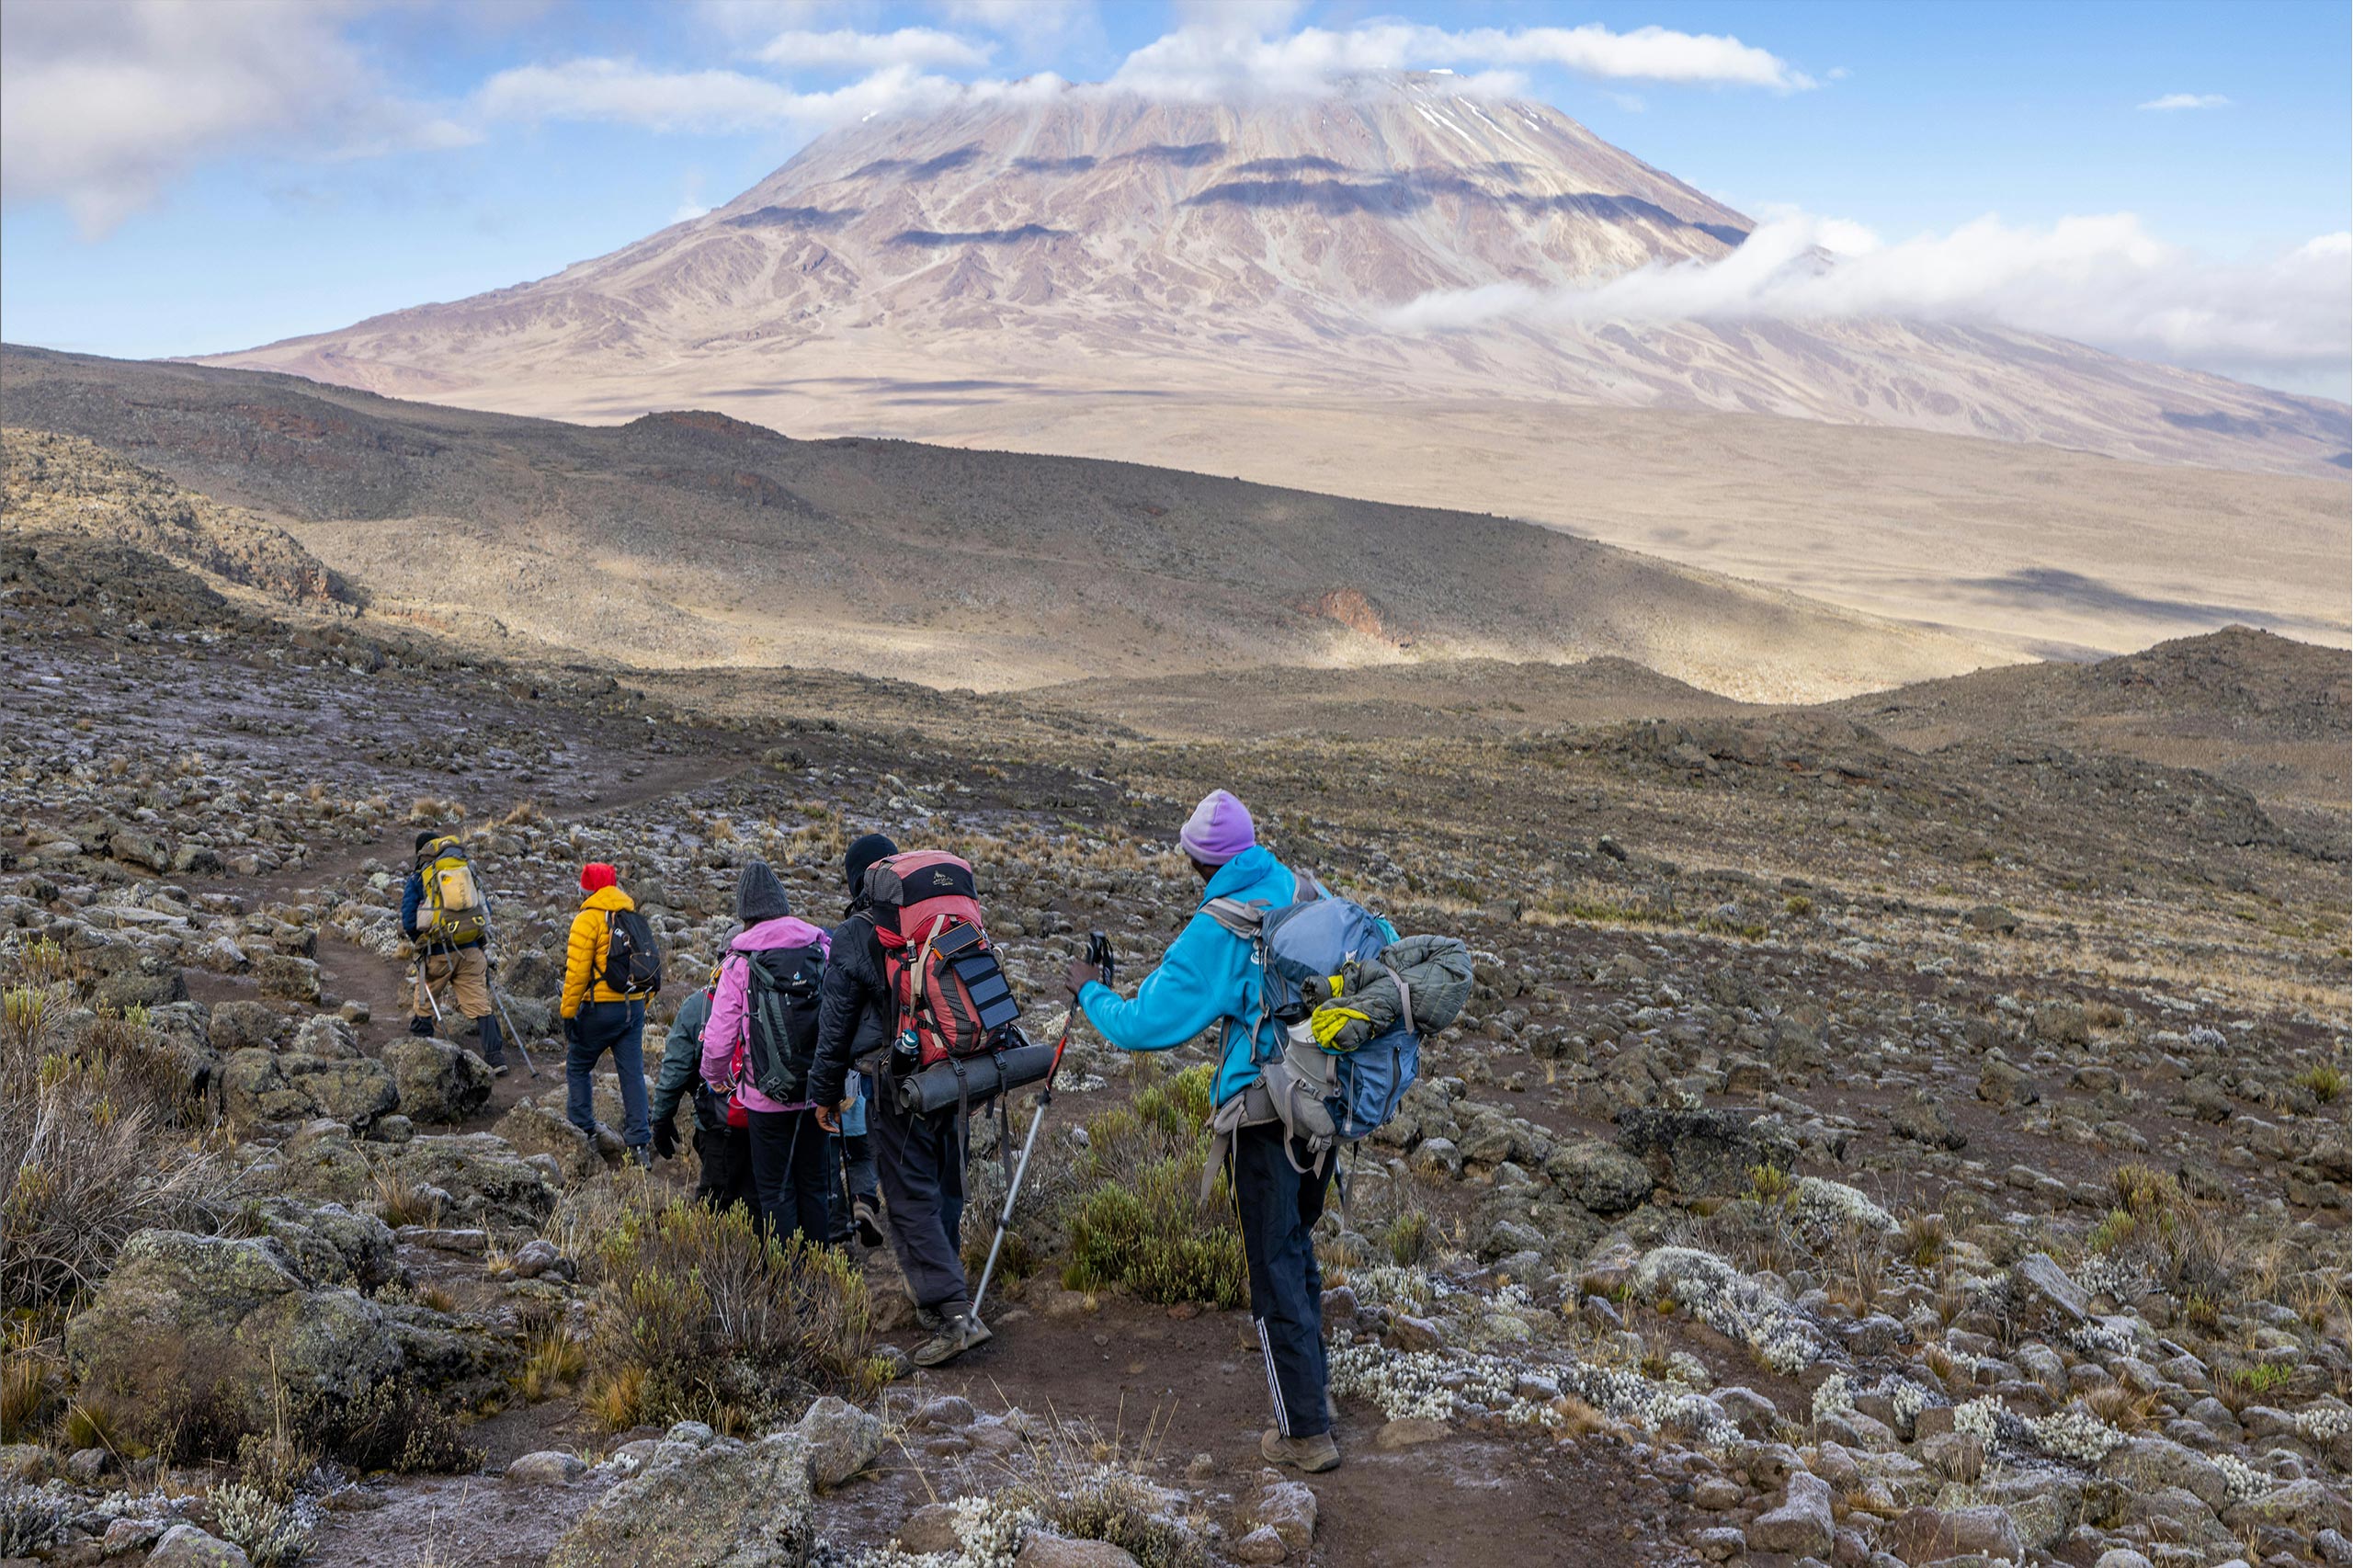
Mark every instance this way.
x=695 y=538
x=1087 y=241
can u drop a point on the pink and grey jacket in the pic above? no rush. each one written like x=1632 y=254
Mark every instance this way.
x=730 y=1006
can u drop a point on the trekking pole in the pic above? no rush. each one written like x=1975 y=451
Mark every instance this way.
x=425 y=984
x=1099 y=953
x=489 y=937
x=512 y=1033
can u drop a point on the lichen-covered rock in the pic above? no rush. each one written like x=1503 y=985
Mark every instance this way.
x=841 y=1439
x=726 y=1505
x=1706 y=1152
x=1604 y=1178
x=221 y=1319
x=1800 y=1524
x=437 y=1081
x=184 y=1546
x=485 y=1181
x=260 y=1086
x=1931 y=1535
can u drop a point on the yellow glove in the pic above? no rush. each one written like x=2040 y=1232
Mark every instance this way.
x=1328 y=1021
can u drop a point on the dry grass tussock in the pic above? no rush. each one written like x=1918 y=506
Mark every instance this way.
x=99 y=1136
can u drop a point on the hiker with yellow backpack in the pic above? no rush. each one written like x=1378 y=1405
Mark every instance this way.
x=445 y=917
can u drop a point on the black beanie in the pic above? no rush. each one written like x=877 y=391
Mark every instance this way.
x=759 y=896
x=863 y=854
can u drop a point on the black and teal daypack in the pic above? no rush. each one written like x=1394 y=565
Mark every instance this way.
x=781 y=989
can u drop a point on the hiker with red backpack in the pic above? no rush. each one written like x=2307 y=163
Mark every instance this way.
x=884 y=1014
x=757 y=1047
x=610 y=966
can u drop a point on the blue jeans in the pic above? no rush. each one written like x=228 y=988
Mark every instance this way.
x=620 y=1027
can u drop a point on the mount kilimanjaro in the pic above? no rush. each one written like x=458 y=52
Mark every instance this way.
x=1212 y=287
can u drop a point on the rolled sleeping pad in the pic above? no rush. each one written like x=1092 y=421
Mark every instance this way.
x=939 y=1085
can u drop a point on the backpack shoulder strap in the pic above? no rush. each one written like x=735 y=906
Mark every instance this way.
x=1247 y=921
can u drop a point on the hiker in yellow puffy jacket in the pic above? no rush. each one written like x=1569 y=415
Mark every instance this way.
x=597 y=1019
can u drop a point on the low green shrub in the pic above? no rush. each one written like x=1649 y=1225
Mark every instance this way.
x=1157 y=1239
x=698 y=1316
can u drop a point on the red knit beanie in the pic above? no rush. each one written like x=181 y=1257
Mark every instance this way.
x=597 y=876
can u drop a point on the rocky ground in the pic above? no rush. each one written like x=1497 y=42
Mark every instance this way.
x=1855 y=1152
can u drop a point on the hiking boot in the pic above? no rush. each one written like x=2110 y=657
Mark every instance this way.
x=494 y=1047
x=958 y=1331
x=419 y=1026
x=1314 y=1455
x=870 y=1228
x=927 y=1318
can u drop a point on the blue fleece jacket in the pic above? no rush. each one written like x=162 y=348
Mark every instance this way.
x=1206 y=975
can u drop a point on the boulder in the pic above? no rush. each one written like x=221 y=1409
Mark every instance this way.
x=437 y=1081
x=287 y=978
x=1054 y=1551
x=235 y=1026
x=216 y=1319
x=1923 y=1119
x=1603 y=1177
x=184 y=1546
x=258 y=1086
x=483 y=1179
x=1800 y=1524
x=842 y=1439
x=531 y=1128
x=1287 y=1507
x=1930 y=1535
x=726 y=1505
x=1705 y=1151
x=548 y=1467
x=2146 y=1462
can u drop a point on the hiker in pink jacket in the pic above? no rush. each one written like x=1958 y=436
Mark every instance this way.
x=760 y=1040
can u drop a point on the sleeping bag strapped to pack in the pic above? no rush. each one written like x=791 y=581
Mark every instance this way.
x=1322 y=1096
x=781 y=988
x=456 y=914
x=944 y=975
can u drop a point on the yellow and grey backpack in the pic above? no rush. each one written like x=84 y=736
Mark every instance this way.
x=456 y=914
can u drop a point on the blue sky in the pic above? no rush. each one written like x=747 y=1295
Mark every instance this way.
x=183 y=175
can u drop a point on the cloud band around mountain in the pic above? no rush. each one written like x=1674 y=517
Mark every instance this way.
x=2102 y=281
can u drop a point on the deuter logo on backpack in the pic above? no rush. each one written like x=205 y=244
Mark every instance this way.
x=455 y=912
x=632 y=966
x=951 y=991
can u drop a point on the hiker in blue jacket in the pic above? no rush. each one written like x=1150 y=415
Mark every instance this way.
x=1210 y=975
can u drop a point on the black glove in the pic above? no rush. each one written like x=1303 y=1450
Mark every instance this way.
x=571 y=1031
x=665 y=1136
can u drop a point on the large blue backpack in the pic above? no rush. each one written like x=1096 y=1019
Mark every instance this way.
x=1324 y=1097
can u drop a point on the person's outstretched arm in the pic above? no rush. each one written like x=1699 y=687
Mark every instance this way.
x=1198 y=980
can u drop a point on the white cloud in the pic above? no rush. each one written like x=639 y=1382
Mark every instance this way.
x=843 y=47
x=2103 y=280
x=1211 y=60
x=705 y=102
x=2172 y=101
x=721 y=102
x=104 y=102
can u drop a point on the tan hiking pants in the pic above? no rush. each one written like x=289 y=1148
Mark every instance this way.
x=465 y=970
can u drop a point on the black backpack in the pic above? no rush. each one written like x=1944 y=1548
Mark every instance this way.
x=783 y=986
x=632 y=963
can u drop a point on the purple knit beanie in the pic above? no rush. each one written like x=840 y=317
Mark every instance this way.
x=1218 y=829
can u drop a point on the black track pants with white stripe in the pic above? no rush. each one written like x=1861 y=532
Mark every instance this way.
x=1278 y=1207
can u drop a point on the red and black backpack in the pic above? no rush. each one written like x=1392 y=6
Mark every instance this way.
x=943 y=972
